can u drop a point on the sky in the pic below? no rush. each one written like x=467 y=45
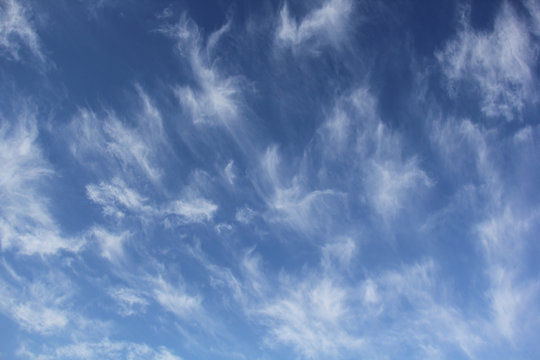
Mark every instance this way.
x=235 y=179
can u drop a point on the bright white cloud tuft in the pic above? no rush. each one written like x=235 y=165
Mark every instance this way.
x=116 y=197
x=196 y=210
x=213 y=98
x=175 y=300
x=112 y=245
x=327 y=24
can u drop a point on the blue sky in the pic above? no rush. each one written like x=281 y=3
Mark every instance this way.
x=326 y=179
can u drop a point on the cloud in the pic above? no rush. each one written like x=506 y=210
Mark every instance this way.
x=99 y=350
x=129 y=300
x=320 y=314
x=355 y=137
x=110 y=141
x=459 y=141
x=371 y=296
x=325 y=25
x=41 y=319
x=289 y=199
x=500 y=64
x=175 y=300
x=312 y=318
x=252 y=271
x=353 y=151
x=213 y=98
x=216 y=36
x=116 y=198
x=38 y=306
x=220 y=276
x=229 y=172
x=17 y=30
x=167 y=12
x=534 y=12
x=503 y=237
x=429 y=320
x=388 y=184
x=503 y=223
x=194 y=210
x=244 y=215
x=25 y=220
x=112 y=245
x=338 y=253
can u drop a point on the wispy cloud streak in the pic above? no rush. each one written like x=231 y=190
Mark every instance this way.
x=17 y=30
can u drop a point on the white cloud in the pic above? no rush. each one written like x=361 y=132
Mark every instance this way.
x=105 y=349
x=428 y=320
x=389 y=177
x=388 y=184
x=116 y=198
x=213 y=98
x=312 y=318
x=229 y=172
x=222 y=227
x=506 y=224
x=511 y=294
x=459 y=142
x=175 y=300
x=325 y=25
x=130 y=301
x=336 y=132
x=16 y=30
x=39 y=306
x=110 y=141
x=355 y=140
x=355 y=136
x=40 y=319
x=112 y=245
x=525 y=135
x=371 y=296
x=288 y=198
x=244 y=215
x=534 y=11
x=252 y=271
x=320 y=316
x=193 y=210
x=25 y=221
x=499 y=63
x=129 y=147
x=214 y=37
x=220 y=276
x=338 y=253
x=167 y=12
